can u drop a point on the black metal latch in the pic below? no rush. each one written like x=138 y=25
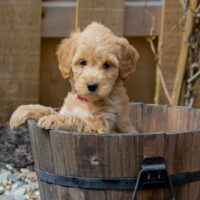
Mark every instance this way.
x=153 y=174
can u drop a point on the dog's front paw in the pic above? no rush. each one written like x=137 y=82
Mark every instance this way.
x=19 y=117
x=100 y=130
x=50 y=122
x=25 y=112
x=97 y=126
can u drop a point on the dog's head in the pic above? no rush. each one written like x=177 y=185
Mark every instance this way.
x=95 y=59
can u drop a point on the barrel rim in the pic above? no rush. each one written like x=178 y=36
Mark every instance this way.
x=34 y=123
x=65 y=132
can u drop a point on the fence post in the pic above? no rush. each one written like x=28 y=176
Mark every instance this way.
x=110 y=13
x=19 y=54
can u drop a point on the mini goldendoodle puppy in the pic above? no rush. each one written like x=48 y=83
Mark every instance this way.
x=97 y=62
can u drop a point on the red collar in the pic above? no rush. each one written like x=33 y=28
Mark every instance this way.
x=81 y=98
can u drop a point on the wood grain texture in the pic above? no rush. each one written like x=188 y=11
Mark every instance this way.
x=154 y=118
x=141 y=85
x=194 y=150
x=120 y=155
x=91 y=155
x=19 y=53
x=194 y=117
x=110 y=13
x=182 y=147
x=53 y=88
x=170 y=44
x=32 y=134
x=41 y=146
x=182 y=150
x=136 y=115
x=177 y=119
x=59 y=18
x=58 y=0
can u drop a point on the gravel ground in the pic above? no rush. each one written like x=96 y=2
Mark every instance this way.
x=18 y=184
x=15 y=147
x=17 y=177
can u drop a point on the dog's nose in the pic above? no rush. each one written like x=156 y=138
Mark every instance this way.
x=92 y=86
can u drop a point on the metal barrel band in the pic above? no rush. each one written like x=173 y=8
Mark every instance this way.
x=153 y=170
x=109 y=184
x=153 y=173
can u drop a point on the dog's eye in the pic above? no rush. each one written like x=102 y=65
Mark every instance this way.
x=106 y=65
x=83 y=62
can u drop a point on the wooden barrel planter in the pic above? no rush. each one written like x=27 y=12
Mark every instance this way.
x=95 y=166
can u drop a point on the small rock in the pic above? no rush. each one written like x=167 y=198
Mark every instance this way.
x=24 y=171
x=1 y=190
x=4 y=183
x=36 y=193
x=27 y=196
x=17 y=185
x=8 y=187
x=8 y=193
x=20 y=176
x=13 y=177
x=19 y=197
x=9 y=182
x=20 y=191
x=6 y=197
x=34 y=186
x=4 y=175
x=9 y=167
x=31 y=176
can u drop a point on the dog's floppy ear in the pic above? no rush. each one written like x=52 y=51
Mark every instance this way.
x=128 y=58
x=65 y=54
